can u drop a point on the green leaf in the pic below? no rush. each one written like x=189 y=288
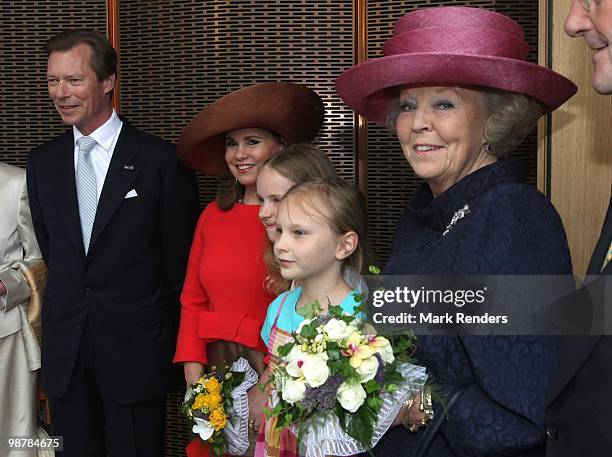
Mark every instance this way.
x=373 y=269
x=285 y=419
x=333 y=354
x=358 y=297
x=285 y=349
x=309 y=331
x=358 y=425
x=371 y=386
x=238 y=378
x=335 y=310
x=392 y=376
x=375 y=402
x=273 y=412
x=309 y=310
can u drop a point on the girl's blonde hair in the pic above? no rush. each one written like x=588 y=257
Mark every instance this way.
x=298 y=163
x=301 y=162
x=343 y=206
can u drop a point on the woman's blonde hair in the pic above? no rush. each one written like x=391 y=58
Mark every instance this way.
x=343 y=206
x=511 y=118
x=298 y=163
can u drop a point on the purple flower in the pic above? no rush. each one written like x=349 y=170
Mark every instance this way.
x=322 y=398
x=379 y=377
x=323 y=319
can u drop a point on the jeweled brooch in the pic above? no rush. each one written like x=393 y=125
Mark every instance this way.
x=459 y=214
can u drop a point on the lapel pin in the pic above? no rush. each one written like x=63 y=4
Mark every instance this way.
x=128 y=167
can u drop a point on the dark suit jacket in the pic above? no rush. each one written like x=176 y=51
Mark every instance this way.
x=579 y=414
x=127 y=287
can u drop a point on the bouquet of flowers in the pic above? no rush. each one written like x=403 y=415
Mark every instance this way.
x=339 y=385
x=217 y=408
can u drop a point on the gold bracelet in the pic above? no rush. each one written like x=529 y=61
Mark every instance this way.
x=426 y=406
x=407 y=405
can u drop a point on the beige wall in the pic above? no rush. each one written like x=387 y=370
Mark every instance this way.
x=580 y=156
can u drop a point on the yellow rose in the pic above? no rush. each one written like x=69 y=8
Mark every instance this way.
x=213 y=386
x=218 y=419
x=199 y=402
x=212 y=401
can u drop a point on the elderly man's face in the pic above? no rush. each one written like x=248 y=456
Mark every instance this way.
x=592 y=19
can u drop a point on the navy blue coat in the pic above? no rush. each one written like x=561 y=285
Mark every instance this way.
x=512 y=229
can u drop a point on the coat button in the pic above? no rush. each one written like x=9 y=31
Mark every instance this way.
x=87 y=291
x=552 y=432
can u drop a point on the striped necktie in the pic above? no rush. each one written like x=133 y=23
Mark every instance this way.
x=86 y=188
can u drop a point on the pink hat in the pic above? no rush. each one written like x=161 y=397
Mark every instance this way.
x=451 y=46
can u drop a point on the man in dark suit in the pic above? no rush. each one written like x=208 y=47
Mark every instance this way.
x=579 y=414
x=114 y=213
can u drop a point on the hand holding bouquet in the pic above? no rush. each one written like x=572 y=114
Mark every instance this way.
x=217 y=408
x=339 y=385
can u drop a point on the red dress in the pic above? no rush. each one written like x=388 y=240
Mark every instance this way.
x=223 y=296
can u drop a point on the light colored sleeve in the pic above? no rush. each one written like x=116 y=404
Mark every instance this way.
x=270 y=317
x=18 y=289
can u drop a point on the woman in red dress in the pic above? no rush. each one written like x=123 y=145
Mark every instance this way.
x=224 y=300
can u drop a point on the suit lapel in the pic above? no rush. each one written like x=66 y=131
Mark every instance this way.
x=576 y=349
x=121 y=174
x=601 y=249
x=66 y=191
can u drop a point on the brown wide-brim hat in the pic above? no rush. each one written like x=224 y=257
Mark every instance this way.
x=291 y=110
x=451 y=46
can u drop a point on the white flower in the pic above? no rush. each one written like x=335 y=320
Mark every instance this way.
x=202 y=428
x=293 y=390
x=368 y=368
x=337 y=329
x=381 y=345
x=315 y=370
x=302 y=324
x=295 y=361
x=351 y=396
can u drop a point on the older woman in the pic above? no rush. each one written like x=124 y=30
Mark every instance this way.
x=456 y=90
x=224 y=301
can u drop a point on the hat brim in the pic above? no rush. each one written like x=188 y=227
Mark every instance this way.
x=290 y=110
x=365 y=87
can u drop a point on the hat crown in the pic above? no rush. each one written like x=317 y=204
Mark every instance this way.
x=457 y=30
x=451 y=46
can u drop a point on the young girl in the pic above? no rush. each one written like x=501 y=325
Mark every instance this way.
x=295 y=164
x=321 y=231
